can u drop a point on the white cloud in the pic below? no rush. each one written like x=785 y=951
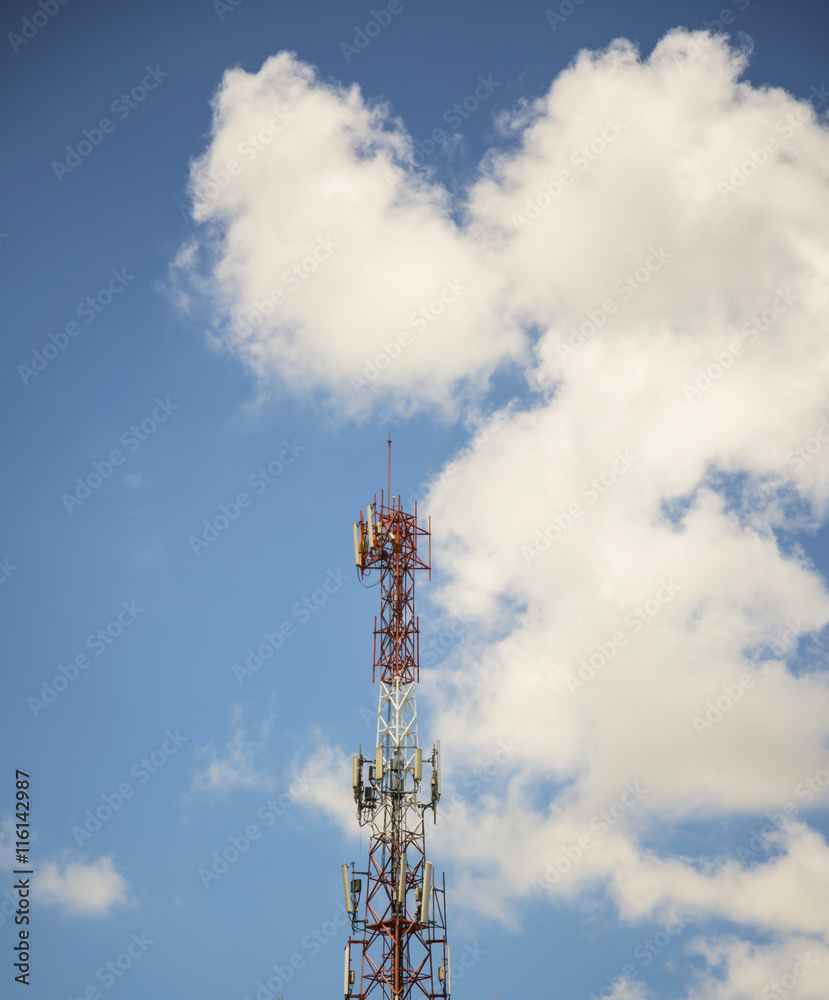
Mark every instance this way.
x=619 y=438
x=331 y=182
x=798 y=967
x=652 y=249
x=237 y=766
x=67 y=881
x=323 y=781
x=80 y=888
x=134 y=480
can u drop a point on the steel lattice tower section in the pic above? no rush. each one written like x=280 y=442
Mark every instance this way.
x=398 y=945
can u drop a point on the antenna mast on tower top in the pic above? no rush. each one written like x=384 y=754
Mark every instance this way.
x=397 y=949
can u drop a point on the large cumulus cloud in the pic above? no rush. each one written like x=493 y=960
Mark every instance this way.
x=649 y=245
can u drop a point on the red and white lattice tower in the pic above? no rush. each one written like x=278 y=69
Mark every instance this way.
x=397 y=948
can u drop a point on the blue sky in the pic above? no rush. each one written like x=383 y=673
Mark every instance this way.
x=102 y=297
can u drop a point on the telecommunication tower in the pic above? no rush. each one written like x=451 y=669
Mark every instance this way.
x=397 y=948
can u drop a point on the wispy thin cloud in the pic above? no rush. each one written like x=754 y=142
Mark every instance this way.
x=238 y=764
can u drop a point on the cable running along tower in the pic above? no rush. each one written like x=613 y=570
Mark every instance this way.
x=397 y=949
